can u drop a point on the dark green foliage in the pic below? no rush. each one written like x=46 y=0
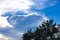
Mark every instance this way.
x=28 y=35
x=44 y=32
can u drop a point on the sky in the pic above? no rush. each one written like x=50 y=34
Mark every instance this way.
x=17 y=16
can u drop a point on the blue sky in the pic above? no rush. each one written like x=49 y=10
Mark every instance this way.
x=53 y=12
x=17 y=16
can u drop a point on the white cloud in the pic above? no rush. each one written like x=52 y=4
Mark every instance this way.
x=3 y=37
x=4 y=23
x=11 y=5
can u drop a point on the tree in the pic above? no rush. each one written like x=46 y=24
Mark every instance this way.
x=45 y=31
x=28 y=35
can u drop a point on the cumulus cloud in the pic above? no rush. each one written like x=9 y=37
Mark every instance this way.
x=3 y=37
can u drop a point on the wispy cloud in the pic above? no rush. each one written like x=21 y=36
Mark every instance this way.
x=41 y=4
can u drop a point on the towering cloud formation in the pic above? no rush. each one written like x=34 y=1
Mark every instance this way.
x=8 y=7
